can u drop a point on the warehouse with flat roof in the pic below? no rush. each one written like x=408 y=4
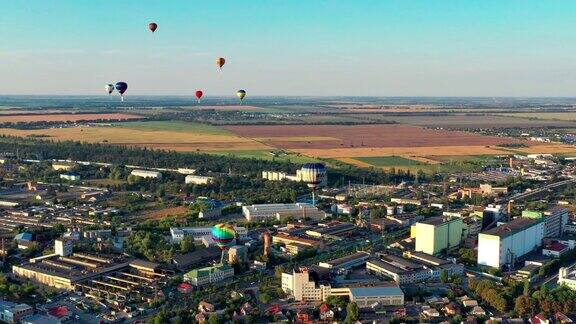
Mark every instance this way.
x=504 y=244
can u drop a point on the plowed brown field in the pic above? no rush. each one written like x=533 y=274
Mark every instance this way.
x=360 y=136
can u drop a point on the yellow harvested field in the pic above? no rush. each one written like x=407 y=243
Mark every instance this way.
x=548 y=149
x=401 y=151
x=565 y=116
x=355 y=162
x=169 y=140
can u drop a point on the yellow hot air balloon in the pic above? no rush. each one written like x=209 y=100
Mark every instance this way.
x=241 y=94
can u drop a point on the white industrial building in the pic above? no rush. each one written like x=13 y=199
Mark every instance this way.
x=504 y=244
x=196 y=179
x=146 y=174
x=567 y=276
x=301 y=285
x=555 y=220
x=269 y=211
x=178 y=233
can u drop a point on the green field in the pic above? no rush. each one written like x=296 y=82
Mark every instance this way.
x=266 y=155
x=389 y=161
x=448 y=163
x=173 y=126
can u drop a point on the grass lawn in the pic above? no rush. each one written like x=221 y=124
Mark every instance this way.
x=173 y=126
x=266 y=155
x=449 y=163
x=389 y=161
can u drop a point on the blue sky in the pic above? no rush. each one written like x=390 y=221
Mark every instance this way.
x=291 y=47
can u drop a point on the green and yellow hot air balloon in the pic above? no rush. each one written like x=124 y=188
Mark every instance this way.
x=241 y=94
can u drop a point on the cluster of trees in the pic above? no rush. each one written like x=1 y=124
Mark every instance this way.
x=203 y=163
x=270 y=289
x=490 y=293
x=149 y=245
x=15 y=291
x=467 y=256
x=546 y=301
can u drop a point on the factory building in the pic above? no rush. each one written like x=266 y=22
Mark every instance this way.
x=346 y=262
x=504 y=244
x=555 y=220
x=63 y=247
x=438 y=234
x=209 y=275
x=146 y=174
x=70 y=176
x=567 y=276
x=300 y=176
x=62 y=166
x=256 y=213
x=196 y=179
x=303 y=284
x=413 y=267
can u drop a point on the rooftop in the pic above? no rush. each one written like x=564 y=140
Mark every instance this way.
x=376 y=291
x=437 y=220
x=203 y=272
x=512 y=227
x=348 y=258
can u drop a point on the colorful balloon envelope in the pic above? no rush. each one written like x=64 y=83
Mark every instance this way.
x=241 y=94
x=220 y=62
x=313 y=174
x=199 y=94
x=223 y=235
x=152 y=26
x=109 y=88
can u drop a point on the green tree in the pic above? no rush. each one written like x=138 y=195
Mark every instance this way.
x=336 y=301
x=524 y=306
x=351 y=313
x=444 y=276
x=160 y=318
x=213 y=319
x=187 y=244
x=265 y=298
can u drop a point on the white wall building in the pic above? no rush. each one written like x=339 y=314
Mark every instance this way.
x=299 y=285
x=147 y=174
x=269 y=211
x=63 y=247
x=507 y=242
x=567 y=276
x=196 y=179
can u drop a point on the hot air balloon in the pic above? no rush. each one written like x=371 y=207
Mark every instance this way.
x=223 y=235
x=152 y=26
x=241 y=94
x=199 y=94
x=220 y=62
x=314 y=174
x=121 y=87
x=109 y=88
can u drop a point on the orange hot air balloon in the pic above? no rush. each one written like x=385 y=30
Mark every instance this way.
x=220 y=62
x=152 y=26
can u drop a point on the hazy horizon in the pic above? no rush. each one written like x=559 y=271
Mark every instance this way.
x=299 y=48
